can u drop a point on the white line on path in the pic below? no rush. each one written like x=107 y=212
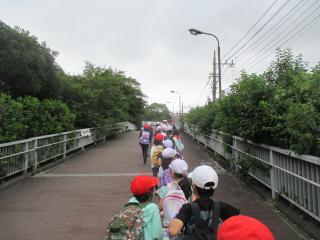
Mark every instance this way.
x=57 y=175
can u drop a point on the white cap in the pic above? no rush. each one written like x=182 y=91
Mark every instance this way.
x=203 y=175
x=164 y=127
x=169 y=128
x=167 y=143
x=159 y=128
x=168 y=153
x=179 y=166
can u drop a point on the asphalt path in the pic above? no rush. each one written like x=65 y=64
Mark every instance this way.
x=74 y=199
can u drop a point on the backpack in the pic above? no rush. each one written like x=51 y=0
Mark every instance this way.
x=145 y=137
x=156 y=154
x=178 y=143
x=204 y=224
x=127 y=224
x=165 y=178
x=172 y=202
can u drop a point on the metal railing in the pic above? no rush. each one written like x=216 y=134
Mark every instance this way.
x=21 y=156
x=289 y=175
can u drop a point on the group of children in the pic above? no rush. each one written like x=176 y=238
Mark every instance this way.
x=173 y=204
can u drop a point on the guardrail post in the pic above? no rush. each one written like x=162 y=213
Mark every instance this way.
x=82 y=143
x=272 y=178
x=35 y=152
x=236 y=154
x=26 y=160
x=64 y=146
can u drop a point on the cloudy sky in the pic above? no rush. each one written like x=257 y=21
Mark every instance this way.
x=149 y=40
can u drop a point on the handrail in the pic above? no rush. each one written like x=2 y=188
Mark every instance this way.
x=24 y=155
x=289 y=175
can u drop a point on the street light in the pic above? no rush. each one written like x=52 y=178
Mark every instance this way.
x=179 y=101
x=172 y=107
x=197 y=32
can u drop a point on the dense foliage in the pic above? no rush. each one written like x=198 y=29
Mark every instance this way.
x=102 y=95
x=28 y=116
x=280 y=107
x=37 y=97
x=156 y=112
x=27 y=68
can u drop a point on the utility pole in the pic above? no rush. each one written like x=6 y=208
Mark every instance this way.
x=214 y=80
x=219 y=66
x=182 y=108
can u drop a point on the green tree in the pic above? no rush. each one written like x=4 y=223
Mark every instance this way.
x=102 y=95
x=45 y=117
x=280 y=107
x=11 y=127
x=156 y=112
x=26 y=66
x=243 y=112
x=29 y=117
x=38 y=98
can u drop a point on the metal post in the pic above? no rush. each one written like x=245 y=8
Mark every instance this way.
x=272 y=177
x=82 y=143
x=64 y=146
x=235 y=152
x=219 y=64
x=26 y=160
x=35 y=152
x=172 y=107
x=197 y=32
x=180 y=106
x=214 y=79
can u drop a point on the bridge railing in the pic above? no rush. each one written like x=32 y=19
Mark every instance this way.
x=21 y=156
x=289 y=175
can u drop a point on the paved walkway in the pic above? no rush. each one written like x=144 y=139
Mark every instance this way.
x=74 y=199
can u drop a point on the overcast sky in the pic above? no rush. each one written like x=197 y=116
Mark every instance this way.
x=149 y=40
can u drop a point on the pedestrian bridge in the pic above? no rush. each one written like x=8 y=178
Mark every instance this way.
x=75 y=198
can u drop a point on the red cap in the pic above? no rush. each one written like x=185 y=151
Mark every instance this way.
x=141 y=185
x=243 y=228
x=159 y=137
x=146 y=126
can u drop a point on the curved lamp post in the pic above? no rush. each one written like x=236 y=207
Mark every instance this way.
x=197 y=32
x=172 y=107
x=179 y=100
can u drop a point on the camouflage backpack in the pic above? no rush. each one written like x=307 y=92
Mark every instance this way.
x=127 y=224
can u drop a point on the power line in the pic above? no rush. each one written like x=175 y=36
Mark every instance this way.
x=314 y=21
x=279 y=36
x=251 y=28
x=274 y=45
x=201 y=92
x=300 y=32
x=272 y=29
x=232 y=78
x=284 y=19
x=261 y=28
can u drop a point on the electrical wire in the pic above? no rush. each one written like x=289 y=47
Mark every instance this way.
x=279 y=36
x=196 y=100
x=261 y=28
x=272 y=29
x=235 y=45
x=298 y=33
x=261 y=55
